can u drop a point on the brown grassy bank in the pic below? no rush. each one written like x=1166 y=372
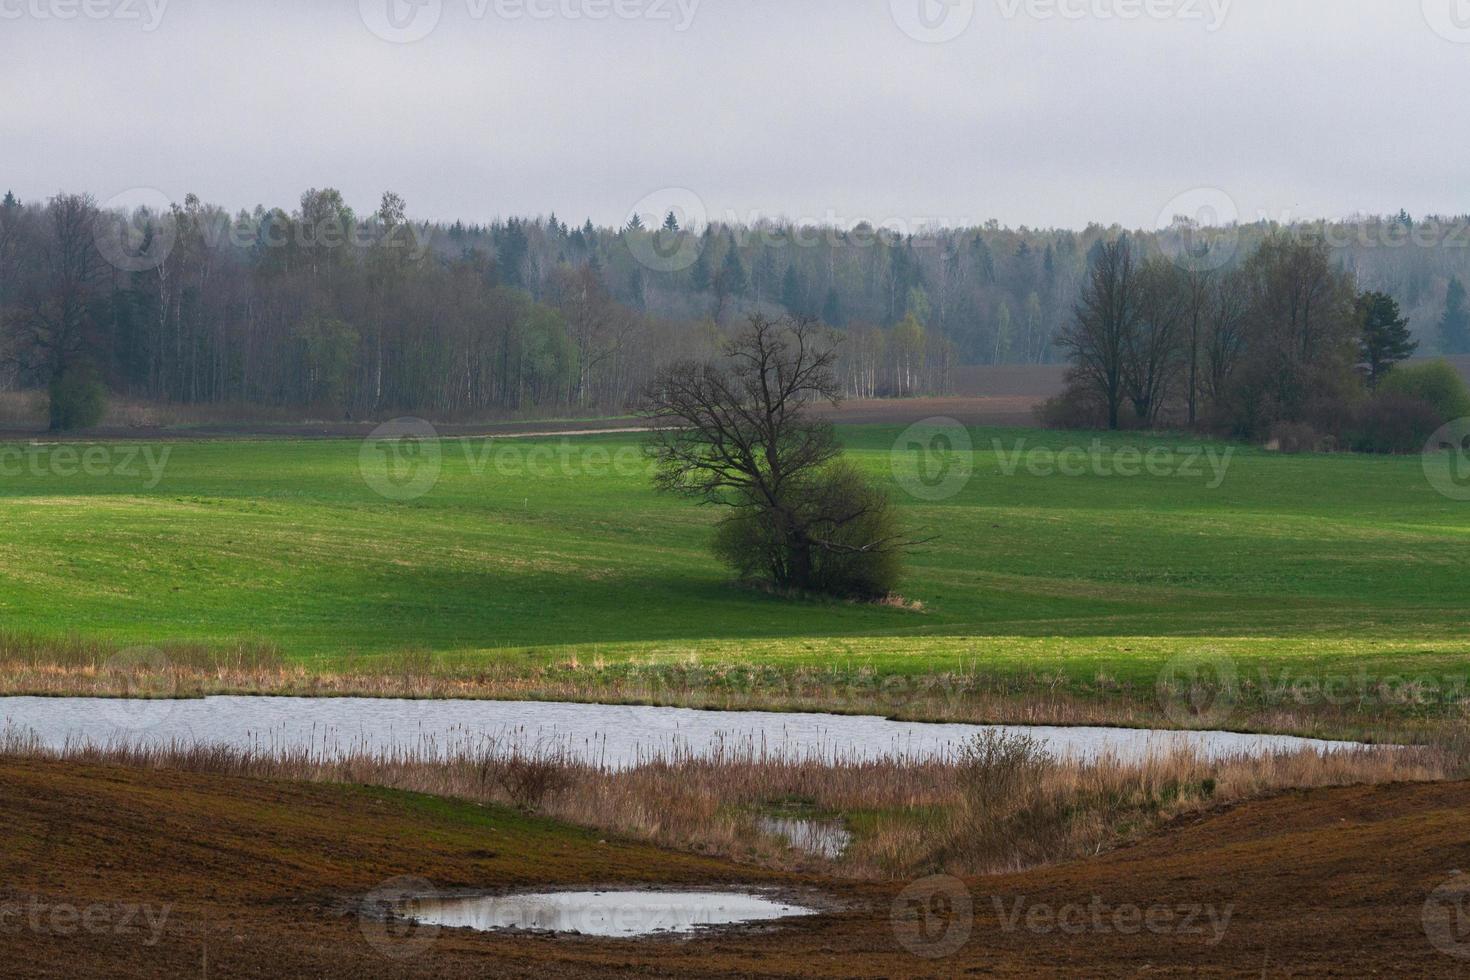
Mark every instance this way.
x=1000 y=805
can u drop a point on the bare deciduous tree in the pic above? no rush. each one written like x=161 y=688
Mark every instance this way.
x=741 y=434
x=1105 y=317
x=1151 y=349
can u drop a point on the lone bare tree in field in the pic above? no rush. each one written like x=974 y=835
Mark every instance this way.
x=740 y=434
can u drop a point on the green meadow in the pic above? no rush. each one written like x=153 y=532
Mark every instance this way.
x=541 y=550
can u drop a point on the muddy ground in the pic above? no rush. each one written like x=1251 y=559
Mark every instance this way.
x=260 y=879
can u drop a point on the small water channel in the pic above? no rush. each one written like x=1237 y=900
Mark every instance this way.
x=611 y=735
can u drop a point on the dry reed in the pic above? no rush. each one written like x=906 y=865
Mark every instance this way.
x=1000 y=804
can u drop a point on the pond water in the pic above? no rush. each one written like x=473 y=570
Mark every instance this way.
x=614 y=914
x=824 y=838
x=611 y=735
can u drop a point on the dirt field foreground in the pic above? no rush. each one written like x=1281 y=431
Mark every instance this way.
x=128 y=873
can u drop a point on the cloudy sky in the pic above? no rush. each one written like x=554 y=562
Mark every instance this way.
x=1039 y=112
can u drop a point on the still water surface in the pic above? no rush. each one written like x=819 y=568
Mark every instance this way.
x=611 y=735
x=612 y=914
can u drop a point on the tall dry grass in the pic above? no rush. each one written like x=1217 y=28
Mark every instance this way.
x=999 y=804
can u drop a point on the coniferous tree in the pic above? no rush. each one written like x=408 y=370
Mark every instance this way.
x=1454 y=326
x=1385 y=338
x=732 y=273
x=512 y=248
x=637 y=295
x=700 y=277
x=832 y=309
x=792 y=293
x=764 y=274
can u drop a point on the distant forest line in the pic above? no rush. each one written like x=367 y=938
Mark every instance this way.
x=366 y=314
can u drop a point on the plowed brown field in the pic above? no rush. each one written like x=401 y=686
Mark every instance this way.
x=260 y=879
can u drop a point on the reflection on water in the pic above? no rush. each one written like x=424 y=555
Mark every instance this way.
x=610 y=914
x=615 y=736
x=824 y=838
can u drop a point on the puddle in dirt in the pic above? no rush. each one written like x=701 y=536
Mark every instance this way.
x=616 y=915
x=823 y=838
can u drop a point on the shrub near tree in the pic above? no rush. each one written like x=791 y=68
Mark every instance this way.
x=1437 y=384
x=78 y=399
x=738 y=433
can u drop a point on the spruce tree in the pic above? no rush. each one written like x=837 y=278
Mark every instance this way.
x=1454 y=326
x=732 y=274
x=699 y=274
x=832 y=309
x=1385 y=338
x=791 y=291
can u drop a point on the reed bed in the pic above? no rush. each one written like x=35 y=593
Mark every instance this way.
x=998 y=804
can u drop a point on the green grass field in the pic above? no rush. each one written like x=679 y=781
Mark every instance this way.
x=1316 y=561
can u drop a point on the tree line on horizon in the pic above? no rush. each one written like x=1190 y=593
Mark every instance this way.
x=1280 y=344
x=361 y=315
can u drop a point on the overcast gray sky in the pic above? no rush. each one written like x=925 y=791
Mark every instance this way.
x=1040 y=112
